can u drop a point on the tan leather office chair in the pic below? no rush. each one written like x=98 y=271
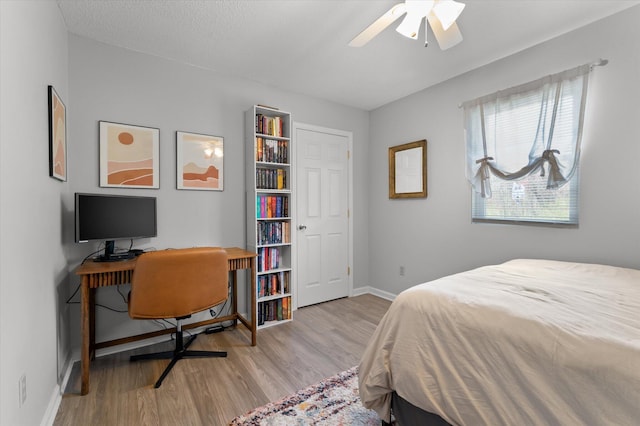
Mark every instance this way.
x=175 y=284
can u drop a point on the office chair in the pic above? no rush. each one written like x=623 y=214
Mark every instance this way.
x=175 y=284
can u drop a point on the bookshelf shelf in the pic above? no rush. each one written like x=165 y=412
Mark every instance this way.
x=269 y=211
x=268 y=164
x=273 y=297
x=272 y=191
x=271 y=271
x=274 y=245
x=263 y=135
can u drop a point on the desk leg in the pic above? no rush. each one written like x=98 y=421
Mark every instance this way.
x=85 y=320
x=92 y=323
x=254 y=322
x=234 y=295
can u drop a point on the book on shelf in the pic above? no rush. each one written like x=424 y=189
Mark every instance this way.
x=268 y=258
x=278 y=206
x=271 y=200
x=281 y=177
x=274 y=310
x=272 y=206
x=273 y=284
x=273 y=232
x=272 y=126
x=286 y=308
x=271 y=150
x=284 y=150
x=259 y=146
x=260 y=314
x=271 y=178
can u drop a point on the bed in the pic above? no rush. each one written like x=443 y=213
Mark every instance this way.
x=526 y=342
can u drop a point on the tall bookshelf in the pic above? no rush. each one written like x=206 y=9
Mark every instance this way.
x=269 y=211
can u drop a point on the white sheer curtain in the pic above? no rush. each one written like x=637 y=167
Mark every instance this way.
x=534 y=127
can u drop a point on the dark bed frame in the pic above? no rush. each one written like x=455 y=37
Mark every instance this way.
x=408 y=414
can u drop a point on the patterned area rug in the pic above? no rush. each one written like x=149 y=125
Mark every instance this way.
x=334 y=401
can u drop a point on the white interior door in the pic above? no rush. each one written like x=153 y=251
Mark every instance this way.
x=322 y=210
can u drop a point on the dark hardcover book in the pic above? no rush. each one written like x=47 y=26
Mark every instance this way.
x=279 y=310
x=260 y=317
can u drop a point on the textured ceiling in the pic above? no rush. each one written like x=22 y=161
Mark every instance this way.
x=301 y=45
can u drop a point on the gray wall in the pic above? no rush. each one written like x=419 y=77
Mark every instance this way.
x=33 y=267
x=114 y=84
x=434 y=237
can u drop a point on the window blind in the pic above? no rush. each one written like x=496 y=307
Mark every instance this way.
x=523 y=150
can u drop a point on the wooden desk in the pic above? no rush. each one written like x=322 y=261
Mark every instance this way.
x=102 y=274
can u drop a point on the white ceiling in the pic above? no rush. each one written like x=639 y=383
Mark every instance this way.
x=301 y=45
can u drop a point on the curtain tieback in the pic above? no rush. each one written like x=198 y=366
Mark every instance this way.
x=548 y=156
x=483 y=176
x=556 y=179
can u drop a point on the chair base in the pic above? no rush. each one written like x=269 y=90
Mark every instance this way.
x=176 y=355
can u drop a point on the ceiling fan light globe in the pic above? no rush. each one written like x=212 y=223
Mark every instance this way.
x=447 y=12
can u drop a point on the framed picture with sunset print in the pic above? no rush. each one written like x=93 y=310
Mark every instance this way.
x=199 y=161
x=129 y=156
x=57 y=136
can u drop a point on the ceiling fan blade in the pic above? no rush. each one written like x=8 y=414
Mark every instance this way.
x=379 y=25
x=410 y=26
x=447 y=12
x=446 y=39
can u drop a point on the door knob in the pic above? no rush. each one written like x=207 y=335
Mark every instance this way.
x=302 y=227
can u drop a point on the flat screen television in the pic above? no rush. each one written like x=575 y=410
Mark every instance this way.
x=114 y=217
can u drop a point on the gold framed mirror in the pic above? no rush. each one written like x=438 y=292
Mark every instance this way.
x=408 y=170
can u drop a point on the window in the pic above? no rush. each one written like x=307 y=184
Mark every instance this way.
x=523 y=150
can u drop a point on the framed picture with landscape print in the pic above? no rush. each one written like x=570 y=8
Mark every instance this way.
x=129 y=156
x=199 y=161
x=408 y=170
x=57 y=136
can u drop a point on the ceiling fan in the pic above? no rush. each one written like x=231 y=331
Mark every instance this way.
x=441 y=16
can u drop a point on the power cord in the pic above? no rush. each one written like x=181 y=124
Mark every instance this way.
x=216 y=328
x=101 y=247
x=70 y=302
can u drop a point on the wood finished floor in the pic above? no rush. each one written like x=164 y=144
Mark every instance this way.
x=321 y=341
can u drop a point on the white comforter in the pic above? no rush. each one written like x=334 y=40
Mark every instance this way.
x=527 y=342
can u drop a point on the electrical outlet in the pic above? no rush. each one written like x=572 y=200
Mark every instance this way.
x=22 y=389
x=402 y=271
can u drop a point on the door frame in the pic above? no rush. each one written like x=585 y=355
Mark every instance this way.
x=294 y=225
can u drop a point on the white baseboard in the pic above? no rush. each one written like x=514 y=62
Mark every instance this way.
x=376 y=292
x=67 y=374
x=52 y=409
x=56 y=397
x=133 y=345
